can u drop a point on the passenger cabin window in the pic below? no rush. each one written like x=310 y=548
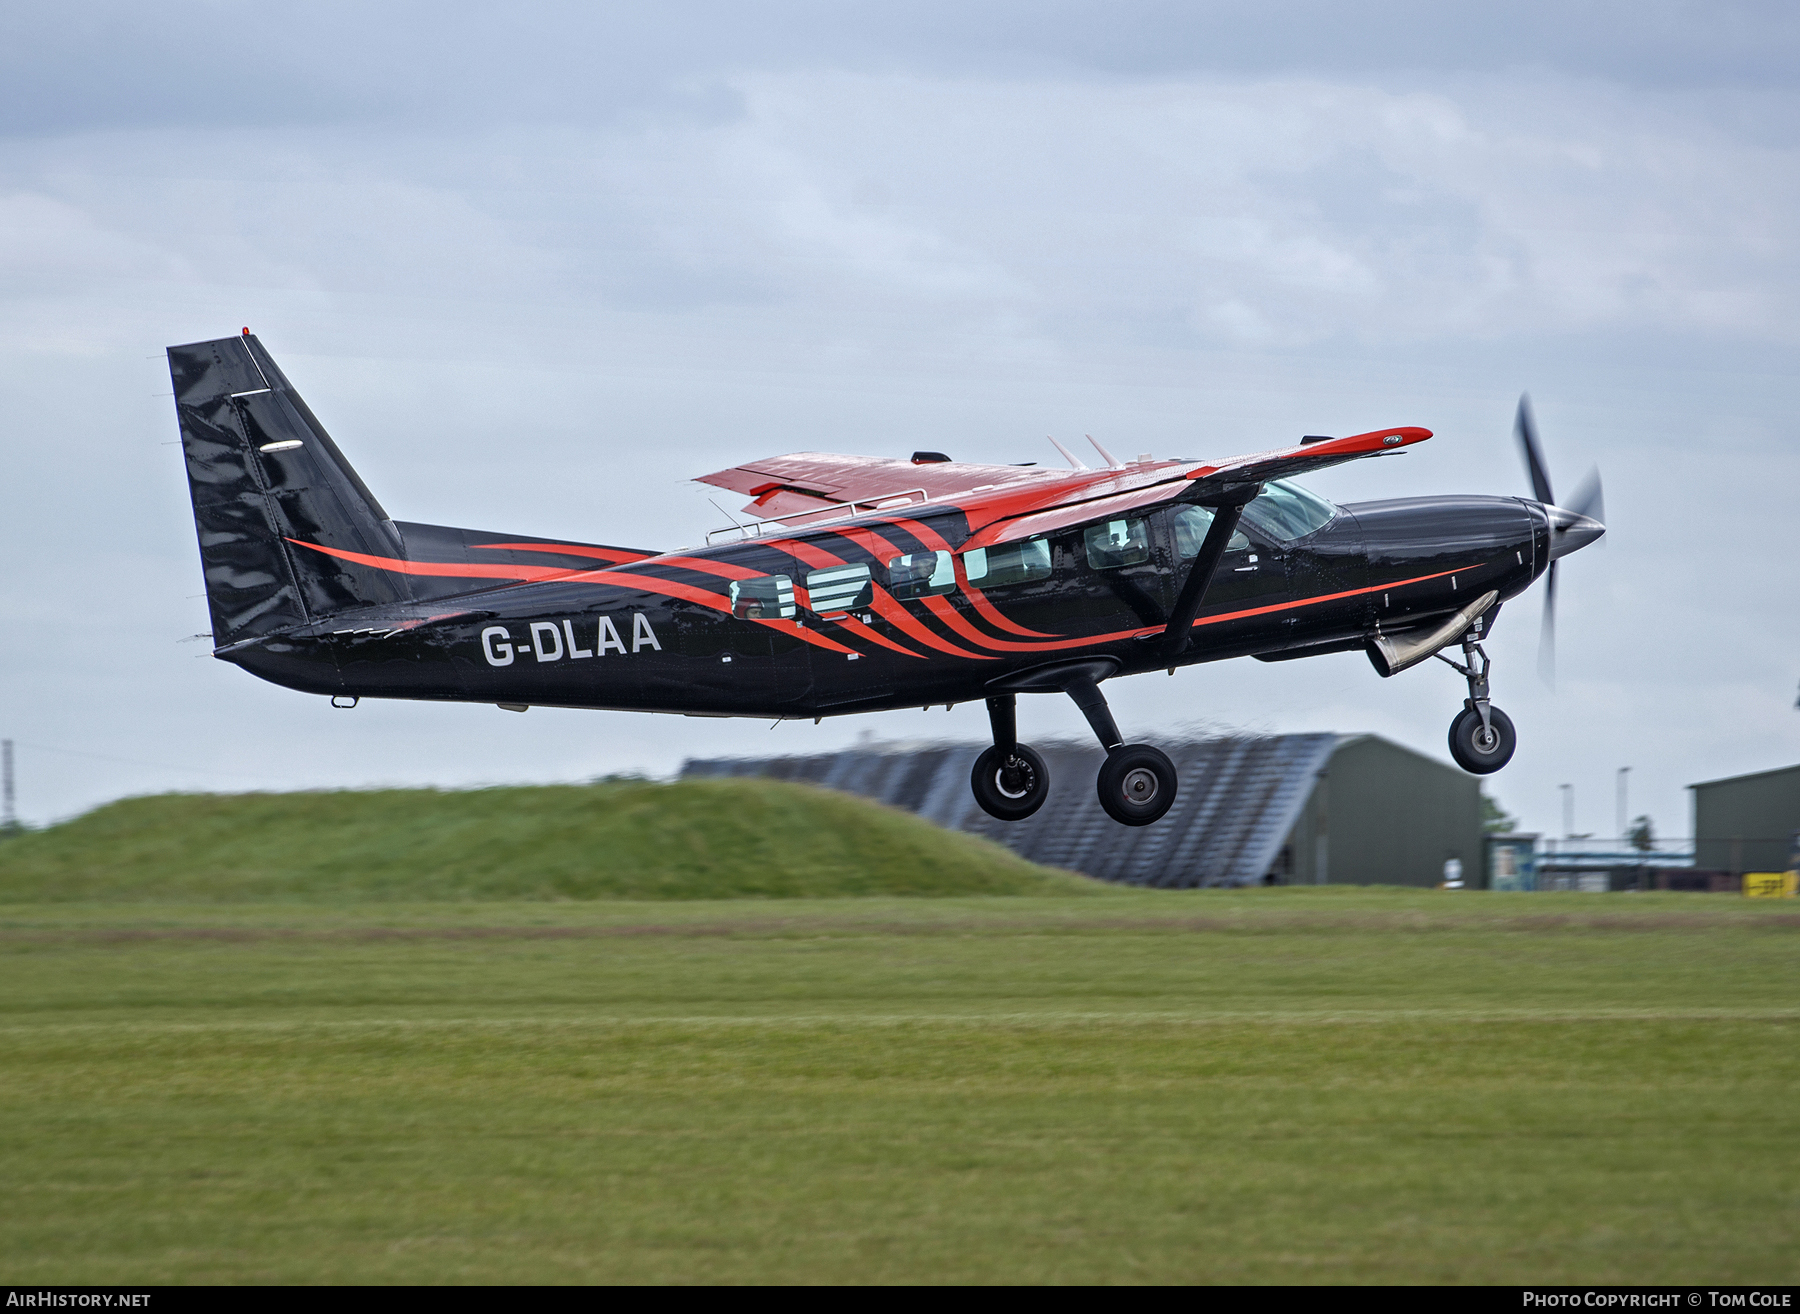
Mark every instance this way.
x=1115 y=543
x=768 y=598
x=1286 y=511
x=1011 y=563
x=1191 y=524
x=921 y=574
x=837 y=589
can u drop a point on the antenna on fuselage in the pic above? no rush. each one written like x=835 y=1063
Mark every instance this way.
x=1068 y=456
x=1112 y=461
x=722 y=511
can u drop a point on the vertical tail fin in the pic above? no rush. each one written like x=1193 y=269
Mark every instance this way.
x=264 y=475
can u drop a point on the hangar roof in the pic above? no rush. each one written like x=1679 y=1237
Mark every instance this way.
x=1747 y=776
x=1239 y=799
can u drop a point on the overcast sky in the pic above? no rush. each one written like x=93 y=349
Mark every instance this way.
x=536 y=266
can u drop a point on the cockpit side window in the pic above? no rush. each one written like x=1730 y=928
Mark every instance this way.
x=1285 y=511
x=1191 y=524
x=1115 y=543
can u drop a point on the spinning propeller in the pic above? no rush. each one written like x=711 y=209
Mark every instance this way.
x=1571 y=527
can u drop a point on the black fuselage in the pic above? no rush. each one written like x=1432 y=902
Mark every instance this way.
x=665 y=634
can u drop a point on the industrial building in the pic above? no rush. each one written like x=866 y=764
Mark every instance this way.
x=1747 y=823
x=1309 y=809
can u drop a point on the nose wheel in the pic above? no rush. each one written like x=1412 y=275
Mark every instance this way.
x=1481 y=748
x=1482 y=737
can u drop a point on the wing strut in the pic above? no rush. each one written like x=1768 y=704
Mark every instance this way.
x=1228 y=509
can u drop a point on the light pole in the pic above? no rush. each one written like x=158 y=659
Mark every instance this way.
x=1623 y=810
x=1568 y=811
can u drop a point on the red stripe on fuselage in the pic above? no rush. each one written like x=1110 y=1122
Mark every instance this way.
x=800 y=631
x=453 y=570
x=539 y=574
x=714 y=600
x=883 y=604
x=817 y=558
x=724 y=569
x=1118 y=636
x=936 y=603
x=1328 y=597
x=619 y=555
x=667 y=587
x=868 y=632
x=990 y=613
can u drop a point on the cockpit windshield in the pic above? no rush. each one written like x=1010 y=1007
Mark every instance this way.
x=1285 y=511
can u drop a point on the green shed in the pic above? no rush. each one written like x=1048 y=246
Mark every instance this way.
x=1385 y=815
x=1746 y=823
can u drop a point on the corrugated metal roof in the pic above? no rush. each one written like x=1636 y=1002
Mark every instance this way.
x=1238 y=801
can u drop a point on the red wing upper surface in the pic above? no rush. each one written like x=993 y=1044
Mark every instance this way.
x=1285 y=462
x=1009 y=502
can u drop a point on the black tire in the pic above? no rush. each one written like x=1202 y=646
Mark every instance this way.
x=1137 y=784
x=1010 y=787
x=1478 y=754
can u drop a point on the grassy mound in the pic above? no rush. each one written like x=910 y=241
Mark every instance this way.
x=701 y=839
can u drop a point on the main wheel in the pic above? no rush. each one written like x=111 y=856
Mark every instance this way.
x=1478 y=750
x=1137 y=784
x=1010 y=786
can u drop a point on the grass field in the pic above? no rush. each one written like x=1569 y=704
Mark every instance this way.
x=1282 y=1085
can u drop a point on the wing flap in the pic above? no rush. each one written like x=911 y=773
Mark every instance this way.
x=813 y=481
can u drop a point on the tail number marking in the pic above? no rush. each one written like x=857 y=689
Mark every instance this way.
x=498 y=654
x=551 y=641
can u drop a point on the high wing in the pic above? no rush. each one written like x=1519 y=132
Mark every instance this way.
x=1005 y=503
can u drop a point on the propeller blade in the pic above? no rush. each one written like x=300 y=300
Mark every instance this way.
x=1588 y=500
x=1547 y=632
x=1526 y=429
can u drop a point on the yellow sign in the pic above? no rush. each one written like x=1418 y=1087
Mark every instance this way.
x=1771 y=884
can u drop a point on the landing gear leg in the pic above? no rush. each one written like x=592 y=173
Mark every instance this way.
x=1482 y=737
x=1137 y=782
x=1009 y=780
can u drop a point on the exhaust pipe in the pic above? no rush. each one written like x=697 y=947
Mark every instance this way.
x=1390 y=654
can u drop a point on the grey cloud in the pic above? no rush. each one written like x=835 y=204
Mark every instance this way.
x=95 y=65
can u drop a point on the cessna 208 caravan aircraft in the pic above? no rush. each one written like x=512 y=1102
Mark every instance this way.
x=863 y=584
